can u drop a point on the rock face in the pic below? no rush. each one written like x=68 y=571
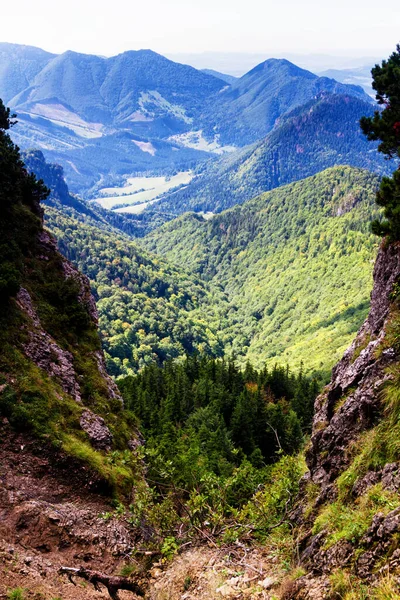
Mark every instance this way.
x=350 y=405
x=58 y=363
x=43 y=350
x=356 y=381
x=97 y=430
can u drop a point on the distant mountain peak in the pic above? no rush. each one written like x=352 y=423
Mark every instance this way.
x=278 y=65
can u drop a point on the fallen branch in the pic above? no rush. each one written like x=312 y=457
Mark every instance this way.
x=112 y=583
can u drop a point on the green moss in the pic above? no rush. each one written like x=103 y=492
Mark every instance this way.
x=16 y=594
x=350 y=521
x=119 y=476
x=311 y=494
x=342 y=400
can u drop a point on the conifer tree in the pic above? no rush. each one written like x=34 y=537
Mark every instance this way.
x=20 y=197
x=385 y=127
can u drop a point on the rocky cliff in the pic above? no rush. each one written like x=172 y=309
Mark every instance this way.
x=68 y=449
x=349 y=512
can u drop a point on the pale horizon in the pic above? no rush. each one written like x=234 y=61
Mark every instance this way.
x=346 y=28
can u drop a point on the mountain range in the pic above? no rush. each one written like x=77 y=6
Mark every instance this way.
x=212 y=459
x=105 y=118
x=250 y=107
x=322 y=133
x=356 y=76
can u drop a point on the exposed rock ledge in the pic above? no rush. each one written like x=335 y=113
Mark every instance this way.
x=357 y=380
x=349 y=405
x=43 y=350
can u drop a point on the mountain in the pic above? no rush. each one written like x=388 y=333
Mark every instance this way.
x=72 y=459
x=19 y=66
x=322 y=133
x=242 y=270
x=141 y=89
x=229 y=79
x=295 y=264
x=250 y=107
x=149 y=311
x=102 y=118
x=355 y=76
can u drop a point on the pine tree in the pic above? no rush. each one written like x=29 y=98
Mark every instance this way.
x=20 y=197
x=385 y=127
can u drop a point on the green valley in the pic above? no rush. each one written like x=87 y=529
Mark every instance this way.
x=150 y=311
x=284 y=278
x=295 y=263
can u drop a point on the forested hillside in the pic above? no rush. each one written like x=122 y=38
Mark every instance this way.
x=149 y=310
x=295 y=262
x=322 y=133
x=233 y=285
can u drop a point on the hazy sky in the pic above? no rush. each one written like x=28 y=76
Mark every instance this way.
x=168 y=26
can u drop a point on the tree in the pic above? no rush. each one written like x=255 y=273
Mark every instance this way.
x=7 y=119
x=385 y=127
x=20 y=197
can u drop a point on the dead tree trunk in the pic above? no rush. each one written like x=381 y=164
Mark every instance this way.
x=112 y=583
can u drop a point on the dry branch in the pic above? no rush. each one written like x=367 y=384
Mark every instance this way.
x=111 y=582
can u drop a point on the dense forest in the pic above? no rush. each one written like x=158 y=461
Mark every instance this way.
x=203 y=417
x=296 y=264
x=149 y=310
x=230 y=292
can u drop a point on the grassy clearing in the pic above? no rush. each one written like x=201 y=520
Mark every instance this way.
x=140 y=190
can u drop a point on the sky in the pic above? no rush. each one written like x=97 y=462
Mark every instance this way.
x=270 y=27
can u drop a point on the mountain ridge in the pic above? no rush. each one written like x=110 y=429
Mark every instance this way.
x=106 y=118
x=248 y=110
x=266 y=250
x=322 y=133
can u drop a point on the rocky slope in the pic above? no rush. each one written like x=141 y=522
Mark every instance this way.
x=349 y=512
x=66 y=444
